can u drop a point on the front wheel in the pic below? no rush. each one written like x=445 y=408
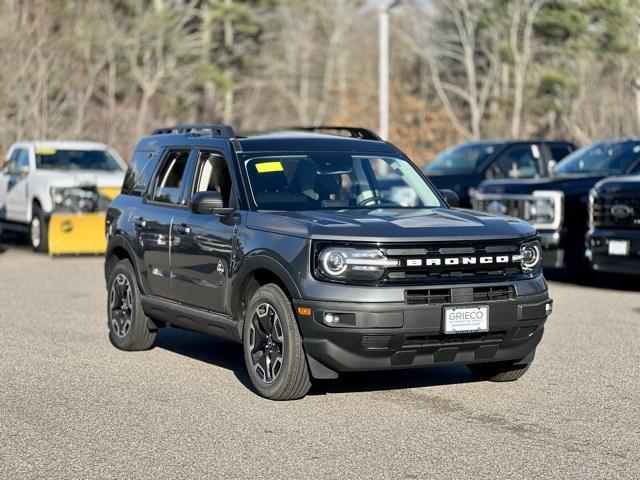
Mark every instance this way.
x=38 y=231
x=273 y=350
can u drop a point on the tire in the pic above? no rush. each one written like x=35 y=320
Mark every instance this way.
x=273 y=350
x=38 y=231
x=129 y=327
x=499 y=372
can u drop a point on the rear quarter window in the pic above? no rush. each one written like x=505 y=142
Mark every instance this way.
x=139 y=173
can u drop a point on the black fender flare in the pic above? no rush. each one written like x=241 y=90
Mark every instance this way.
x=119 y=241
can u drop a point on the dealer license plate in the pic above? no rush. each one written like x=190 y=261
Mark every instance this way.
x=619 y=247
x=466 y=319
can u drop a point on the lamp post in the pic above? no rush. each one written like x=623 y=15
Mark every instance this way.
x=383 y=65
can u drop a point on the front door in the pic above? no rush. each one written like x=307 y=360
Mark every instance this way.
x=17 y=188
x=155 y=219
x=201 y=254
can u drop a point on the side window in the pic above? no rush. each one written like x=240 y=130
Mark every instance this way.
x=559 y=151
x=520 y=161
x=22 y=160
x=139 y=173
x=212 y=175
x=169 y=182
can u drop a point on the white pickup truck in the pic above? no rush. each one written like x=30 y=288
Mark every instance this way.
x=58 y=192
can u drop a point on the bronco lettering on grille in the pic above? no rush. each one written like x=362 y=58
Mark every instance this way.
x=454 y=261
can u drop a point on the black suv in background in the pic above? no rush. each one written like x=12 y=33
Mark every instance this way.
x=613 y=241
x=462 y=167
x=284 y=242
x=558 y=205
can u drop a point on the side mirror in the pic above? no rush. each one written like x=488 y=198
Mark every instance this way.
x=23 y=170
x=551 y=165
x=209 y=203
x=452 y=198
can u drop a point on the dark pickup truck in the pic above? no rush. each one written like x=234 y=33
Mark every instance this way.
x=463 y=167
x=613 y=241
x=558 y=205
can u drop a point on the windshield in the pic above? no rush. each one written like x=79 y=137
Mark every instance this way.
x=463 y=158
x=333 y=180
x=54 y=159
x=604 y=157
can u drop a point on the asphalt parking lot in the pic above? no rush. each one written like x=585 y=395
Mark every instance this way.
x=72 y=406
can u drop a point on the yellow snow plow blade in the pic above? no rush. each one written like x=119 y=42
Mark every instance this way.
x=77 y=233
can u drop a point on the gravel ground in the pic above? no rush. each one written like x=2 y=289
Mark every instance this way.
x=72 y=406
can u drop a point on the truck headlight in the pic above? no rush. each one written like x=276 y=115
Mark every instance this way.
x=74 y=199
x=531 y=257
x=544 y=209
x=347 y=263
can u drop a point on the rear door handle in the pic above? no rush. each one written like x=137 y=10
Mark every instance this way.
x=183 y=229
x=140 y=222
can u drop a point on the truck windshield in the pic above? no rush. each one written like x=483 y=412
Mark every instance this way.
x=333 y=180
x=463 y=158
x=601 y=158
x=54 y=159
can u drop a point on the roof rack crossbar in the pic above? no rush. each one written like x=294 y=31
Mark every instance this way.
x=354 y=132
x=215 y=130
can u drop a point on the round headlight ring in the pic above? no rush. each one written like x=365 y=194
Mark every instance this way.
x=531 y=256
x=333 y=262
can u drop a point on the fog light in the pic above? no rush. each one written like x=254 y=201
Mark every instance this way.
x=331 y=318
x=548 y=307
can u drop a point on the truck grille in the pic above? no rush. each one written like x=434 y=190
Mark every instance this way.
x=452 y=262
x=603 y=211
x=514 y=207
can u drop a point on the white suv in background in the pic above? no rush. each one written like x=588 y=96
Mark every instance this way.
x=72 y=179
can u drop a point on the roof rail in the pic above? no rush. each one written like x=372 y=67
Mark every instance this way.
x=354 y=132
x=215 y=130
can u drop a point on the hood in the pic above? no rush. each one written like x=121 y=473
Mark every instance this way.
x=75 y=178
x=392 y=225
x=569 y=185
x=624 y=185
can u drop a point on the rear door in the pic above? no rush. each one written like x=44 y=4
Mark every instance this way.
x=201 y=253
x=154 y=222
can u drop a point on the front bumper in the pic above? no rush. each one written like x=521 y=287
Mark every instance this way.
x=598 y=251
x=384 y=336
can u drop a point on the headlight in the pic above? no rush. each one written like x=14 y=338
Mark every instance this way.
x=346 y=263
x=531 y=257
x=74 y=199
x=544 y=209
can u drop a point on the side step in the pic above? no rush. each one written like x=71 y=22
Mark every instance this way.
x=191 y=318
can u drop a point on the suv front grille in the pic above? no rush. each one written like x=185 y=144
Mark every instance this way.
x=453 y=262
x=603 y=215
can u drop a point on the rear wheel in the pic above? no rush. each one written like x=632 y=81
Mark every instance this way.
x=38 y=231
x=499 y=372
x=273 y=350
x=129 y=328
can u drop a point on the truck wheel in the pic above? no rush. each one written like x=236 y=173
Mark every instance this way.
x=499 y=372
x=273 y=350
x=38 y=231
x=128 y=325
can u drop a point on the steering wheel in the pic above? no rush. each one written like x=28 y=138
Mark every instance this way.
x=368 y=200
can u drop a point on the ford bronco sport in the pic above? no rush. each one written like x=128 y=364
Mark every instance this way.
x=283 y=242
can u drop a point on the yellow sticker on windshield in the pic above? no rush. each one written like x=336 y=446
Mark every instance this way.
x=45 y=151
x=267 y=167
